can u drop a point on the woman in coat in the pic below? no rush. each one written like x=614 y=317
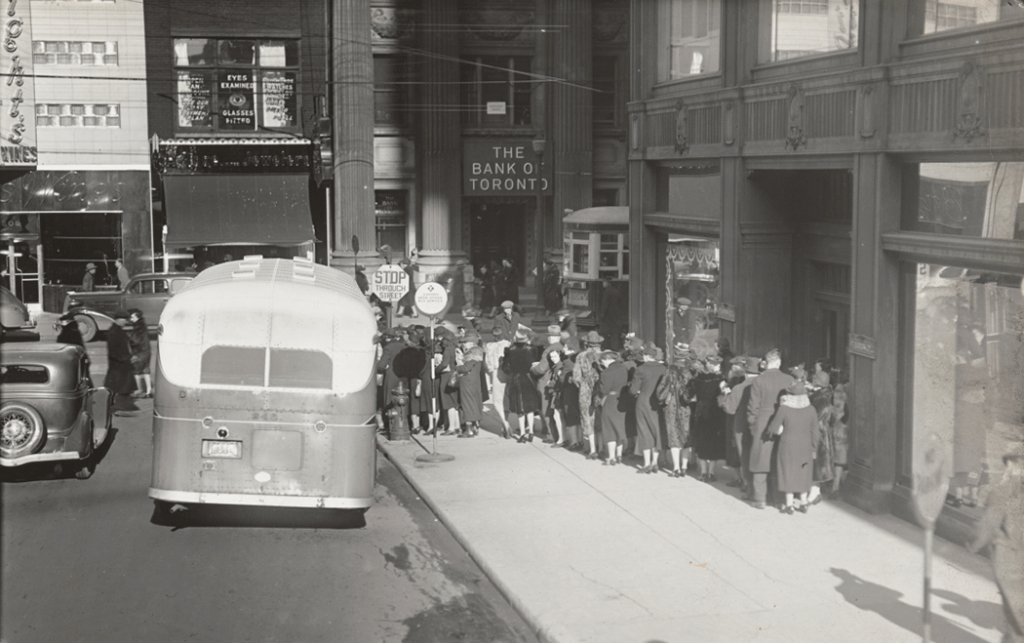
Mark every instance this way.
x=584 y=375
x=675 y=393
x=521 y=395
x=120 y=378
x=612 y=391
x=646 y=379
x=469 y=381
x=709 y=419
x=819 y=390
x=796 y=424
x=138 y=340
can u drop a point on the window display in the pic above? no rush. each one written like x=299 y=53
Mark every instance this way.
x=693 y=291
x=968 y=385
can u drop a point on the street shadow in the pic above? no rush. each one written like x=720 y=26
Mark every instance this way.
x=886 y=603
x=179 y=517
x=57 y=470
x=984 y=614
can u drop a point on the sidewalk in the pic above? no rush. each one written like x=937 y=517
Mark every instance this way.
x=591 y=553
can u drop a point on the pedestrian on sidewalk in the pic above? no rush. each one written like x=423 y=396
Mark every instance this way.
x=404 y=307
x=709 y=419
x=570 y=334
x=820 y=392
x=542 y=373
x=645 y=382
x=585 y=373
x=1002 y=528
x=554 y=386
x=796 y=426
x=764 y=396
x=138 y=340
x=407 y=367
x=510 y=321
x=521 y=395
x=488 y=300
x=448 y=396
x=612 y=387
x=468 y=379
x=675 y=393
x=122 y=273
x=736 y=404
x=494 y=354
x=120 y=378
x=392 y=343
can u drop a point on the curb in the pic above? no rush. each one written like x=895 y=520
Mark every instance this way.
x=542 y=632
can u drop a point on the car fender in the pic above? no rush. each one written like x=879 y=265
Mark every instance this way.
x=103 y=320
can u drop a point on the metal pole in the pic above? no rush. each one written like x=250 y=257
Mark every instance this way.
x=538 y=234
x=433 y=456
x=929 y=531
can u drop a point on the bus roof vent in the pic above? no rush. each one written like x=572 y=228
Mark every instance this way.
x=252 y=257
x=243 y=274
x=303 y=271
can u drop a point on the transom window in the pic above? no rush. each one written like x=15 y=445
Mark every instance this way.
x=237 y=85
x=496 y=91
x=933 y=16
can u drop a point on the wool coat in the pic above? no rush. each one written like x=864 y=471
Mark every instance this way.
x=646 y=379
x=796 y=425
x=120 y=378
x=469 y=382
x=612 y=387
x=521 y=394
x=764 y=400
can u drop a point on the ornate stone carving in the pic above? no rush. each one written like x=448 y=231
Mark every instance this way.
x=682 y=129
x=867 y=111
x=795 y=119
x=971 y=108
x=610 y=26
x=499 y=26
x=389 y=23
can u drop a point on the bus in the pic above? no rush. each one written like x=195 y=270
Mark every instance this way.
x=265 y=390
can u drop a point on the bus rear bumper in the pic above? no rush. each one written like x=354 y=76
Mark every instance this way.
x=258 y=500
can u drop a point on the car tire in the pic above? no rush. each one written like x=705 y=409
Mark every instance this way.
x=21 y=429
x=87 y=326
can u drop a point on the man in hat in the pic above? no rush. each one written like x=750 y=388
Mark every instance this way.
x=509 y=321
x=494 y=352
x=585 y=373
x=611 y=315
x=542 y=371
x=736 y=403
x=120 y=378
x=763 y=403
x=89 y=279
x=1003 y=528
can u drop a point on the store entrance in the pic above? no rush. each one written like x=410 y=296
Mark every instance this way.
x=497 y=231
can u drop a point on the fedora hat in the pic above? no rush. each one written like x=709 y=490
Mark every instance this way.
x=521 y=338
x=593 y=338
x=554 y=330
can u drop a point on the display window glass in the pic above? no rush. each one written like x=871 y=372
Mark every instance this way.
x=689 y=38
x=981 y=200
x=933 y=16
x=799 y=28
x=968 y=385
x=693 y=290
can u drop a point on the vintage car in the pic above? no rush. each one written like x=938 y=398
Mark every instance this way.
x=16 y=324
x=50 y=412
x=148 y=292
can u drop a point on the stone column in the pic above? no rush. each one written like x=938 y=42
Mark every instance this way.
x=352 y=113
x=570 y=136
x=439 y=146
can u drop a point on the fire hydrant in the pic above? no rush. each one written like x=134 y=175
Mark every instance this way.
x=398 y=423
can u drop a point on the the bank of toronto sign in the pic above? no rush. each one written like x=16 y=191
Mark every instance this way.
x=505 y=167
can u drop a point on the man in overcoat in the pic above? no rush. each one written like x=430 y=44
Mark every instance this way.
x=736 y=404
x=764 y=401
x=120 y=378
x=509 y=321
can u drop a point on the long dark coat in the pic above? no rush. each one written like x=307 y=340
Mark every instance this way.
x=142 y=353
x=612 y=387
x=521 y=395
x=798 y=443
x=709 y=419
x=471 y=392
x=120 y=377
x=764 y=400
x=645 y=382
x=674 y=391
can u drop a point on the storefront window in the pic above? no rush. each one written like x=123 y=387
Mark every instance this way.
x=808 y=27
x=933 y=16
x=71 y=241
x=969 y=199
x=968 y=345
x=689 y=37
x=236 y=85
x=693 y=290
x=391 y=218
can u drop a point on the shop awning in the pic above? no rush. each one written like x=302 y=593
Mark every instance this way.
x=237 y=209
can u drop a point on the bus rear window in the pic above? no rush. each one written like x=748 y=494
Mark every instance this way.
x=233 y=365
x=300 y=369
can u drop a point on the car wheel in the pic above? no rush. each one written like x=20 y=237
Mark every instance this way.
x=87 y=326
x=21 y=429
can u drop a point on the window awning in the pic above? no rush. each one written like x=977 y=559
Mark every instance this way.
x=238 y=209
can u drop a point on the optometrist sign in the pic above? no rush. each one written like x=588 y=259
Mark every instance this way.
x=503 y=167
x=17 y=88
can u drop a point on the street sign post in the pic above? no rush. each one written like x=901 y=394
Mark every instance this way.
x=431 y=298
x=390 y=283
x=931 y=483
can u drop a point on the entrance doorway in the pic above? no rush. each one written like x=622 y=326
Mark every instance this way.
x=497 y=231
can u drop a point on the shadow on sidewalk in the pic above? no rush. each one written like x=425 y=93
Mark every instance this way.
x=886 y=603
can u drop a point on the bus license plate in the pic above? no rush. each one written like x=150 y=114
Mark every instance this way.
x=222 y=449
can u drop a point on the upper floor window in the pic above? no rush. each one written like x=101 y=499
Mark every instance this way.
x=73 y=52
x=77 y=115
x=390 y=89
x=689 y=38
x=967 y=199
x=496 y=91
x=933 y=16
x=236 y=85
x=808 y=27
x=608 y=96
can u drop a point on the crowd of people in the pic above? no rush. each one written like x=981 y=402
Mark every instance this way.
x=783 y=432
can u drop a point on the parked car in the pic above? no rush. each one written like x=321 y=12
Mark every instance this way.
x=148 y=292
x=16 y=324
x=50 y=412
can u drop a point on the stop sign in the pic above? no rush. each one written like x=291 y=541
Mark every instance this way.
x=390 y=283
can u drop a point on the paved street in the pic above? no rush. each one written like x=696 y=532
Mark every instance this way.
x=83 y=561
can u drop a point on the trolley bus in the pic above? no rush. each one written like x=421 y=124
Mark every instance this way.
x=265 y=390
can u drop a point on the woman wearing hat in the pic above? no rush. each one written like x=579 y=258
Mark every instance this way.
x=584 y=376
x=138 y=339
x=796 y=425
x=521 y=395
x=675 y=393
x=709 y=418
x=89 y=279
x=646 y=378
x=612 y=386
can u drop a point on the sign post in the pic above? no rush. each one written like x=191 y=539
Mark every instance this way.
x=390 y=283
x=431 y=298
x=931 y=483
